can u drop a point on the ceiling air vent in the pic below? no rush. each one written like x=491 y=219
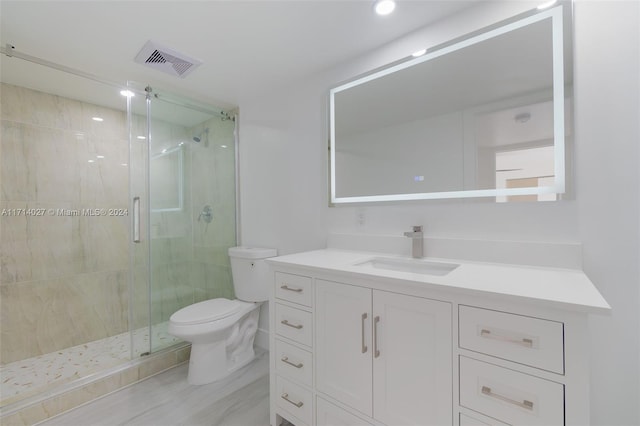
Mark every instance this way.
x=166 y=60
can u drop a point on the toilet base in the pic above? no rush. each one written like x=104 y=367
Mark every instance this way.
x=206 y=359
x=210 y=362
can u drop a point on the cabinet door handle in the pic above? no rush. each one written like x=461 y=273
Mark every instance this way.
x=288 y=324
x=527 y=343
x=364 y=347
x=286 y=361
x=286 y=287
x=524 y=404
x=285 y=396
x=376 y=351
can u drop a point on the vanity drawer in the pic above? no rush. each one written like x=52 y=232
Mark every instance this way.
x=525 y=340
x=509 y=396
x=294 y=399
x=294 y=288
x=294 y=363
x=472 y=421
x=294 y=324
x=328 y=414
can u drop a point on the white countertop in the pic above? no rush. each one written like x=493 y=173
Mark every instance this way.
x=562 y=288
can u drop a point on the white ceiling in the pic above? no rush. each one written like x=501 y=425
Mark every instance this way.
x=247 y=47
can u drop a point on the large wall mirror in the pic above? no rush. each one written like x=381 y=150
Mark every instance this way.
x=485 y=116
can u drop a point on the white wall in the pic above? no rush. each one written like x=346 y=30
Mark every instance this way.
x=607 y=113
x=283 y=160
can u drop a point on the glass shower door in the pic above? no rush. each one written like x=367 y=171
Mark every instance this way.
x=139 y=312
x=192 y=208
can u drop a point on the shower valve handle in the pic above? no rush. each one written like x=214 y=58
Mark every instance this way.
x=206 y=214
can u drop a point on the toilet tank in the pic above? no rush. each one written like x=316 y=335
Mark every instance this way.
x=250 y=272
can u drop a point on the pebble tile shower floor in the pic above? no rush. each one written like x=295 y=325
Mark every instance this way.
x=24 y=378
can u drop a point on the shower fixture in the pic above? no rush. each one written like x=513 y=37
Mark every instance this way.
x=226 y=116
x=204 y=135
x=206 y=214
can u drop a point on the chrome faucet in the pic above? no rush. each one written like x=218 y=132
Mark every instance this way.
x=416 y=236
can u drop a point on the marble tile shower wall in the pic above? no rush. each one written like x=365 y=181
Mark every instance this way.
x=188 y=256
x=64 y=278
x=213 y=183
x=171 y=247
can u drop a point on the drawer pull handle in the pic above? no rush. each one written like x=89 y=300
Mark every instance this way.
x=364 y=347
x=376 y=351
x=527 y=343
x=285 y=396
x=286 y=287
x=286 y=361
x=524 y=404
x=288 y=324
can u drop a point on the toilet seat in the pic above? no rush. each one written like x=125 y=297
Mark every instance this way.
x=207 y=311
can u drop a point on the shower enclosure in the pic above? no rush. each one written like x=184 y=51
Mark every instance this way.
x=118 y=205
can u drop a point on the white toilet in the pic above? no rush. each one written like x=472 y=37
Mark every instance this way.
x=221 y=331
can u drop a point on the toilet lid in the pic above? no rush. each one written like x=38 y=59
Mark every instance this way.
x=209 y=310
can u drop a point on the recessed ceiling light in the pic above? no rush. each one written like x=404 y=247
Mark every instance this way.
x=127 y=93
x=97 y=118
x=142 y=137
x=91 y=161
x=124 y=164
x=384 y=7
x=419 y=53
x=223 y=146
x=547 y=4
x=100 y=156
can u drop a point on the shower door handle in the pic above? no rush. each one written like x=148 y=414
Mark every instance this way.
x=136 y=219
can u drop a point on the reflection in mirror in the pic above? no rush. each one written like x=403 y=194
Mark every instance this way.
x=167 y=175
x=481 y=117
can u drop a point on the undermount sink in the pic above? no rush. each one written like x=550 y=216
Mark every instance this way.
x=415 y=266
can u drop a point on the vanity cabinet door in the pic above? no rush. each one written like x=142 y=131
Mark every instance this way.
x=412 y=364
x=344 y=344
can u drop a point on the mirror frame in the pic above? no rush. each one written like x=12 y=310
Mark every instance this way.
x=557 y=14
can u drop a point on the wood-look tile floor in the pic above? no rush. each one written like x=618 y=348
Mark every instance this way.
x=241 y=399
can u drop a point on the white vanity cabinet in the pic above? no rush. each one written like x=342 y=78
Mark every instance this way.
x=291 y=347
x=386 y=349
x=497 y=386
x=383 y=354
